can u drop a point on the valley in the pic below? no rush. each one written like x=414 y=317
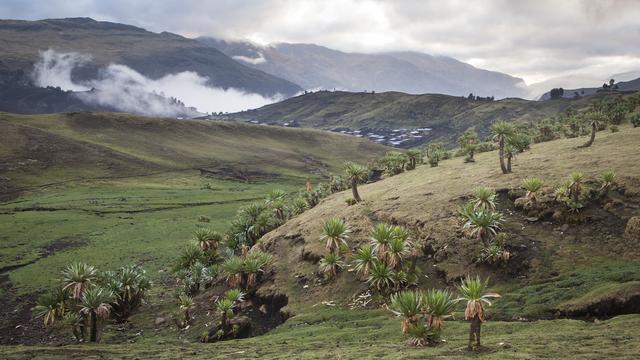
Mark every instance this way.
x=147 y=204
x=319 y=180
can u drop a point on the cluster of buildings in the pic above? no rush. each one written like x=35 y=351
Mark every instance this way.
x=403 y=137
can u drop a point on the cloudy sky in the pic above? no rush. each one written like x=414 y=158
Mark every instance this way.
x=581 y=42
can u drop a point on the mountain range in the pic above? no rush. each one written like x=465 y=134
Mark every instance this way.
x=150 y=54
x=249 y=75
x=317 y=67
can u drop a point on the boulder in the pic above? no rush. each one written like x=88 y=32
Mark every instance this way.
x=520 y=203
x=632 y=231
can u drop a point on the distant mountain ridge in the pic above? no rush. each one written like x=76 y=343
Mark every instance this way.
x=151 y=54
x=447 y=116
x=631 y=85
x=317 y=67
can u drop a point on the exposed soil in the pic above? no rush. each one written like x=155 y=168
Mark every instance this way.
x=144 y=210
x=17 y=326
x=265 y=314
x=609 y=305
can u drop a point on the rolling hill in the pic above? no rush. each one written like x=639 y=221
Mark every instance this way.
x=317 y=67
x=561 y=273
x=447 y=116
x=151 y=54
x=114 y=188
x=547 y=249
x=37 y=150
x=631 y=85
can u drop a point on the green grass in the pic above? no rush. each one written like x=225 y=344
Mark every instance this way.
x=584 y=283
x=116 y=188
x=111 y=223
x=337 y=333
x=146 y=219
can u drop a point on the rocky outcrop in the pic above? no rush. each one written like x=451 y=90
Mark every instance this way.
x=632 y=230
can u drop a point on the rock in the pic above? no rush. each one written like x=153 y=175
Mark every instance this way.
x=159 y=321
x=564 y=228
x=558 y=215
x=263 y=307
x=244 y=325
x=308 y=255
x=532 y=219
x=632 y=231
x=520 y=203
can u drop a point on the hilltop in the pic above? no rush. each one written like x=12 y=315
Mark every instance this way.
x=622 y=86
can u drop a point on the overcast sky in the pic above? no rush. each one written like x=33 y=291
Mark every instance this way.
x=537 y=40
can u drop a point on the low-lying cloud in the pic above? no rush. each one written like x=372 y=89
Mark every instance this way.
x=120 y=87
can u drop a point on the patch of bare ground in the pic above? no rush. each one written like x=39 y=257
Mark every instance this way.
x=17 y=326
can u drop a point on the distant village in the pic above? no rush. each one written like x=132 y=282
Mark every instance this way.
x=400 y=138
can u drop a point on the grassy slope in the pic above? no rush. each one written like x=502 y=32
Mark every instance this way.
x=564 y=266
x=118 y=187
x=420 y=198
x=447 y=115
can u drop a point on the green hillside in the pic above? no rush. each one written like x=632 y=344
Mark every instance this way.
x=113 y=189
x=49 y=149
x=564 y=268
x=448 y=116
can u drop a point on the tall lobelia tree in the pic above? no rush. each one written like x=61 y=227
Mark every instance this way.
x=501 y=132
x=414 y=156
x=468 y=144
x=517 y=143
x=95 y=303
x=473 y=292
x=356 y=174
x=595 y=119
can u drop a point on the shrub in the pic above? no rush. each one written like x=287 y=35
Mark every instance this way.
x=190 y=255
x=614 y=128
x=130 y=286
x=494 y=254
x=407 y=304
x=635 y=120
x=608 y=179
x=364 y=258
x=483 y=224
x=336 y=232
x=532 y=185
x=330 y=264
x=381 y=276
x=484 y=198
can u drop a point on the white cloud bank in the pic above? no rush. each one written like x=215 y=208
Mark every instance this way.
x=125 y=89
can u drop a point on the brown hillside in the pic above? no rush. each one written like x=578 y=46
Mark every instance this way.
x=427 y=201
